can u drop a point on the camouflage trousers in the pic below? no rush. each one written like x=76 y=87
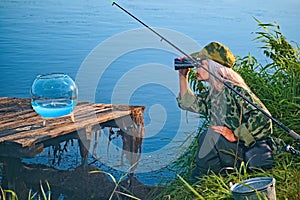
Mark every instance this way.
x=218 y=155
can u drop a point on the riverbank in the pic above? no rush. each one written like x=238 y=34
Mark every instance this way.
x=80 y=184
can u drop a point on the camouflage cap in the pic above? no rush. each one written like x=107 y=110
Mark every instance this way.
x=216 y=52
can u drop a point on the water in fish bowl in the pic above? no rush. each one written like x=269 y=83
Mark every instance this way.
x=53 y=95
x=53 y=109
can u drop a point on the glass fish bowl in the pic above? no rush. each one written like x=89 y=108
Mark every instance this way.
x=53 y=95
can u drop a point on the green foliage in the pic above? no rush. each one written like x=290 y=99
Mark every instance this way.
x=196 y=86
x=43 y=195
x=190 y=188
x=286 y=173
x=277 y=84
x=7 y=194
x=117 y=184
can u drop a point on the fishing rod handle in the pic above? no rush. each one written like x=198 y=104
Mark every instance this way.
x=294 y=135
x=292 y=150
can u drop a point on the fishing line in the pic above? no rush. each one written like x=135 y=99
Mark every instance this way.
x=196 y=63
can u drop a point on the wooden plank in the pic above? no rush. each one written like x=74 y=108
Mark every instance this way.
x=20 y=121
x=64 y=125
x=26 y=128
x=22 y=131
x=11 y=116
x=30 y=124
x=12 y=104
x=36 y=136
x=23 y=118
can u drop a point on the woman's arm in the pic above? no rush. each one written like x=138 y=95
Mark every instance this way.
x=187 y=100
x=183 y=82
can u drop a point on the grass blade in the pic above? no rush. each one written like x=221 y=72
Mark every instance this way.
x=128 y=195
x=191 y=188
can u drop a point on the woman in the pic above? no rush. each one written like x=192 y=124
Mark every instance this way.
x=237 y=128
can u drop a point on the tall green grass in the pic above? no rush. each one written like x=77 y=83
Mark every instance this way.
x=118 y=185
x=42 y=195
x=277 y=84
x=7 y=194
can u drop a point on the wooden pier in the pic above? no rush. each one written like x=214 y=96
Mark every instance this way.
x=23 y=134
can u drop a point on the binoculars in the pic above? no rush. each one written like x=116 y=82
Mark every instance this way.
x=184 y=63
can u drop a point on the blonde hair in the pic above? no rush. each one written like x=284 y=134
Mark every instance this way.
x=225 y=74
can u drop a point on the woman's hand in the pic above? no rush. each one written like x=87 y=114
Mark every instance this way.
x=183 y=81
x=183 y=73
x=226 y=132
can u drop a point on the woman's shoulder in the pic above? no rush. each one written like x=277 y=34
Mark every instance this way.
x=235 y=87
x=238 y=91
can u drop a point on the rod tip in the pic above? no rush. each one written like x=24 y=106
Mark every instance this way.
x=112 y=2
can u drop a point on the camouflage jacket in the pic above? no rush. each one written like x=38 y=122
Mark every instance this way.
x=229 y=109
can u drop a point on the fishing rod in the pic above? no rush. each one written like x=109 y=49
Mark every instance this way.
x=292 y=150
x=196 y=63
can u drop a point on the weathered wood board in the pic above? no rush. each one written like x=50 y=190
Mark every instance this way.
x=22 y=130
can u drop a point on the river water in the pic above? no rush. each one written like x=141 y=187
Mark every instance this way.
x=114 y=59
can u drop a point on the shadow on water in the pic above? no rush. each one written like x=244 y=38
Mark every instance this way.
x=70 y=178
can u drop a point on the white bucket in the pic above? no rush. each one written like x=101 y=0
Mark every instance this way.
x=252 y=189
